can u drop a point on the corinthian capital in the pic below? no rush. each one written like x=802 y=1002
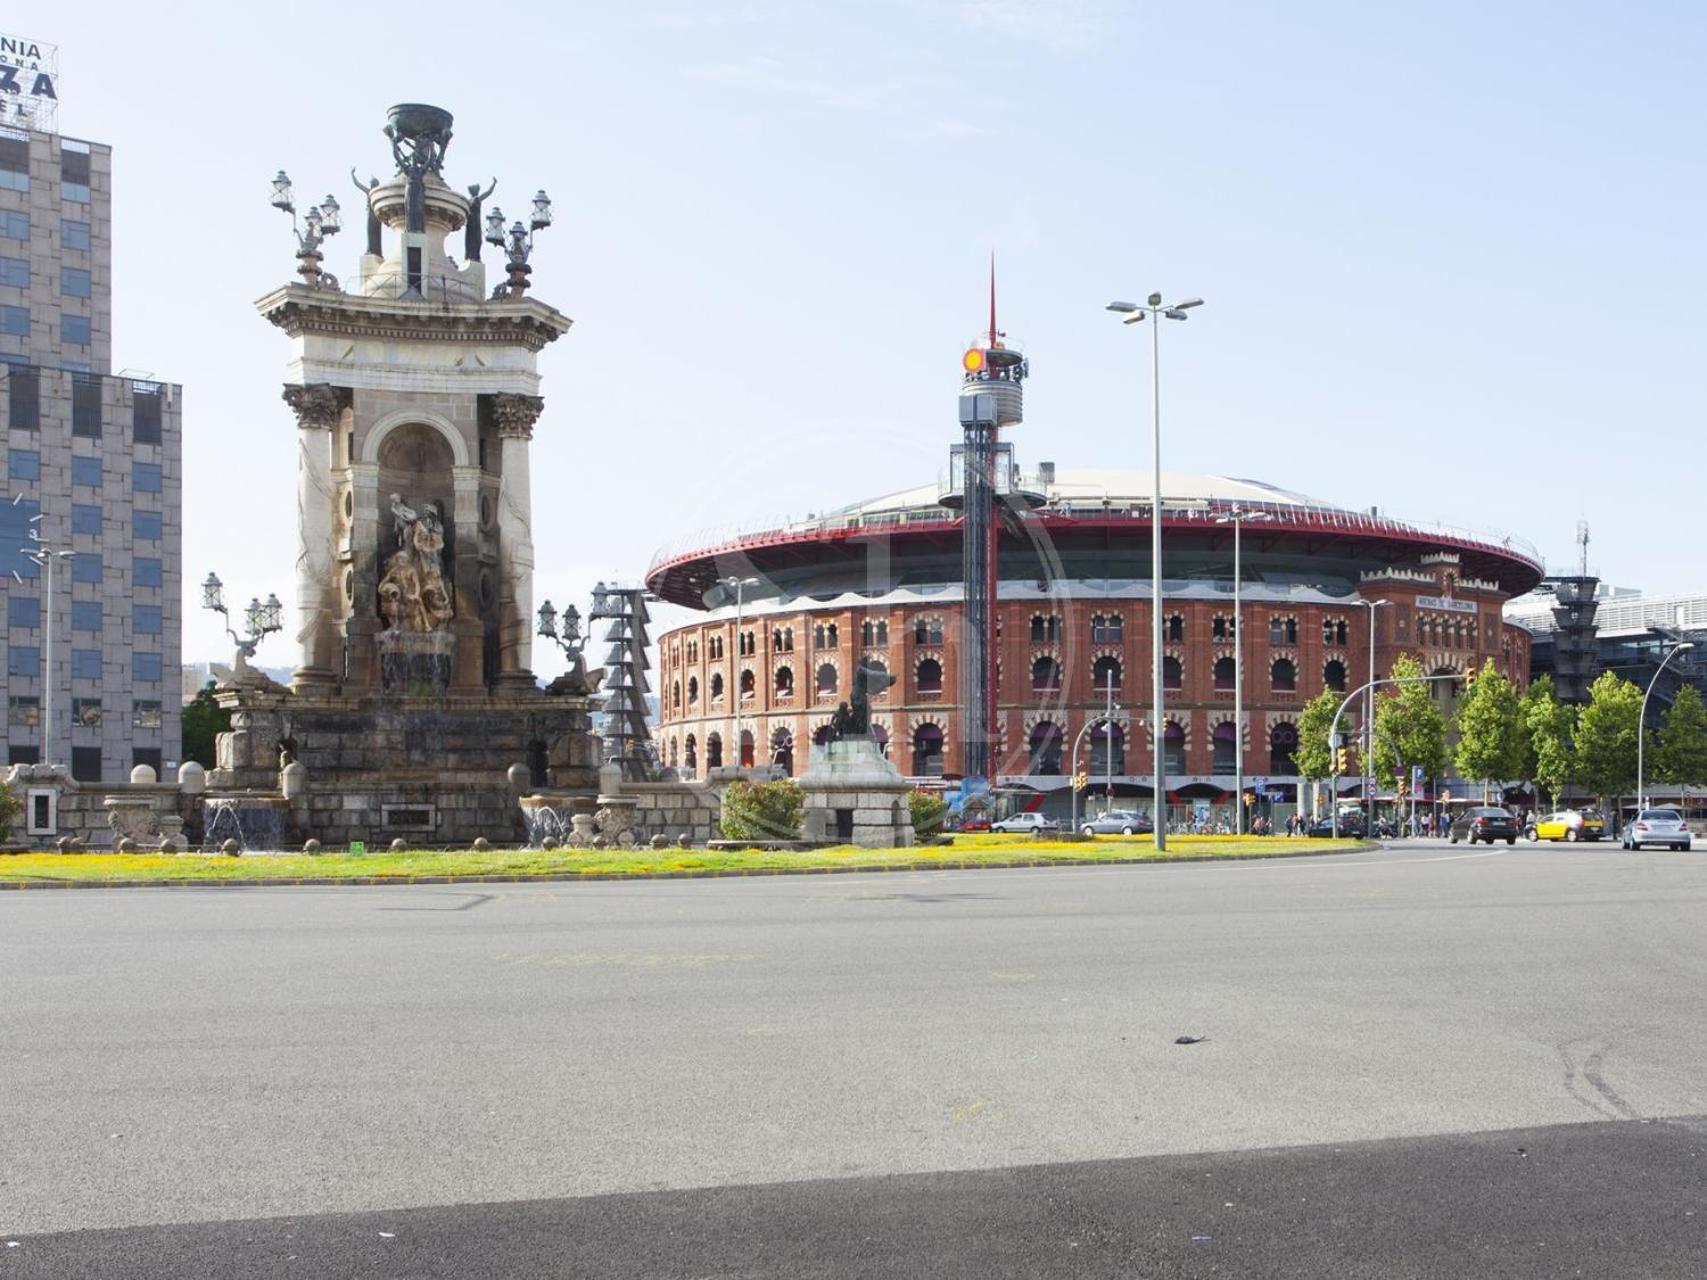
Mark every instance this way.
x=516 y=413
x=317 y=405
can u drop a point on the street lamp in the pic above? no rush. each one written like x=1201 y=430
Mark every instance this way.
x=1236 y=517
x=322 y=221
x=1642 y=720
x=260 y=619
x=46 y=555
x=517 y=242
x=1153 y=310
x=1369 y=716
x=738 y=585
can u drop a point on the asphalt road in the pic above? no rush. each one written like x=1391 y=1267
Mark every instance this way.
x=972 y=1072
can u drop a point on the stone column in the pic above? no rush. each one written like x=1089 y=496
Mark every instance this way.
x=515 y=415
x=317 y=409
x=468 y=667
x=366 y=553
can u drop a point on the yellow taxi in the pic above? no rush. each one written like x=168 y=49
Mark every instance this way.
x=1567 y=824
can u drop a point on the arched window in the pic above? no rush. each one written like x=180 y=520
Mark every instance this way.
x=1222 y=627
x=882 y=632
x=693 y=690
x=747 y=684
x=927 y=631
x=1106 y=628
x=1222 y=743
x=1176 y=627
x=1173 y=748
x=1108 y=749
x=867 y=633
x=927 y=751
x=1333 y=675
x=1173 y=675
x=776 y=640
x=714 y=647
x=749 y=644
x=1226 y=673
x=782 y=751
x=1105 y=673
x=714 y=751
x=1282 y=748
x=1283 y=676
x=785 y=682
x=676 y=694
x=818 y=636
x=1045 y=746
x=746 y=748
x=834 y=637
x=1045 y=629
x=929 y=676
x=1045 y=675
x=716 y=686
x=827 y=677
x=690 y=755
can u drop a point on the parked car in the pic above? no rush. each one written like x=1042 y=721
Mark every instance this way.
x=1658 y=826
x=1567 y=824
x=1483 y=822
x=1025 y=823
x=1351 y=826
x=1117 y=821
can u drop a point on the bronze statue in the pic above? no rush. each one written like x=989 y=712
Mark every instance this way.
x=471 y=231
x=373 y=243
x=853 y=719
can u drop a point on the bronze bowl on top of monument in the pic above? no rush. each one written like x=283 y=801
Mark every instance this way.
x=417 y=119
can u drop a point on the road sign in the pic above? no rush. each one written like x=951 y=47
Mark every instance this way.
x=1416 y=775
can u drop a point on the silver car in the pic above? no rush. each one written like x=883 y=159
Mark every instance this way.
x=1025 y=823
x=1658 y=826
x=1116 y=822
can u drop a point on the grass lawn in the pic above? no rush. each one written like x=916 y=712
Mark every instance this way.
x=978 y=850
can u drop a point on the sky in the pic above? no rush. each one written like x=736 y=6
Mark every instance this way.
x=1453 y=254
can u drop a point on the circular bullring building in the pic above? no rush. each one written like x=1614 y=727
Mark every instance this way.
x=881 y=583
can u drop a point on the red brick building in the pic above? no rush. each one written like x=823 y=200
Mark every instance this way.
x=880 y=582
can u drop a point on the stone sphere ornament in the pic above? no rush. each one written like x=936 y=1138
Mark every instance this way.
x=65 y=844
x=399 y=845
x=231 y=848
x=683 y=842
x=168 y=847
x=548 y=844
x=481 y=844
x=127 y=845
x=521 y=778
x=311 y=847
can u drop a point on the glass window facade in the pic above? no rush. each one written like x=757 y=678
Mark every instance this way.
x=145 y=666
x=85 y=664
x=85 y=519
x=86 y=567
x=14 y=164
x=15 y=272
x=23 y=465
x=86 y=764
x=22 y=611
x=145 y=526
x=86 y=615
x=75 y=331
x=23 y=660
x=14 y=225
x=23 y=711
x=76 y=282
x=145 y=416
x=74 y=235
x=145 y=571
x=145 y=619
x=15 y=321
x=145 y=477
x=23 y=397
x=145 y=714
x=86 y=471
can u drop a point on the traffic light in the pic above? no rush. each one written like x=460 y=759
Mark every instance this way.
x=1342 y=760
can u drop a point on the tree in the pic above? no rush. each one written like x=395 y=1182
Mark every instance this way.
x=762 y=811
x=10 y=807
x=203 y=720
x=1682 y=753
x=1490 y=744
x=928 y=810
x=1551 y=728
x=1409 y=729
x=1606 y=736
x=1313 y=758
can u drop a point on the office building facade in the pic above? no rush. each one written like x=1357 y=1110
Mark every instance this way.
x=94 y=463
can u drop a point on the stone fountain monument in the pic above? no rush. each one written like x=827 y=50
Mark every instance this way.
x=414 y=711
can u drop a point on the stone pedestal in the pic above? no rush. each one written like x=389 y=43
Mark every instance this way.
x=855 y=796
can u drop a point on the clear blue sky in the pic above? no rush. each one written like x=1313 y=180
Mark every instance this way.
x=1453 y=253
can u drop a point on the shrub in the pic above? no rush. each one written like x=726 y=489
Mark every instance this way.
x=10 y=807
x=928 y=810
x=766 y=811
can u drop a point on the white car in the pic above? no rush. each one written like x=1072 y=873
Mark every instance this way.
x=1025 y=823
x=1658 y=826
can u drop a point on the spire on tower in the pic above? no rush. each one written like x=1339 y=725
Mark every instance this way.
x=993 y=333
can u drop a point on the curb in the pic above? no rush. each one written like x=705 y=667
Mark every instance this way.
x=710 y=873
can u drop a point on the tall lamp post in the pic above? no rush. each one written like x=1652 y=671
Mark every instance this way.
x=261 y=620
x=1236 y=517
x=1368 y=718
x=1642 y=720
x=1154 y=310
x=45 y=554
x=738 y=585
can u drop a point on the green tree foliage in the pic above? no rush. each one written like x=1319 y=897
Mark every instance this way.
x=1682 y=753
x=10 y=807
x=1490 y=738
x=927 y=810
x=1606 y=736
x=1551 y=728
x=203 y=720
x=1313 y=758
x=762 y=811
x=1409 y=729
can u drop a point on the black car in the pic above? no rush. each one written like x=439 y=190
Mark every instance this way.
x=1483 y=823
x=1351 y=827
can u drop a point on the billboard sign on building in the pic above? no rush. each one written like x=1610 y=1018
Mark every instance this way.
x=29 y=83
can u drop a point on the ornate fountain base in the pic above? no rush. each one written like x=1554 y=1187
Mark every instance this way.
x=433 y=771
